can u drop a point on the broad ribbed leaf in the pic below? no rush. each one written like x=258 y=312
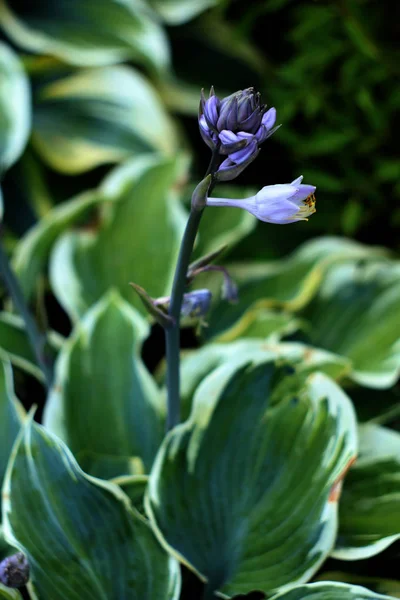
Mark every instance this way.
x=369 y=515
x=138 y=241
x=33 y=249
x=81 y=537
x=14 y=342
x=196 y=365
x=245 y=491
x=176 y=12
x=288 y=283
x=134 y=486
x=98 y=116
x=104 y=402
x=15 y=107
x=264 y=324
x=81 y=32
x=379 y=585
x=9 y=594
x=356 y=314
x=10 y=414
x=329 y=591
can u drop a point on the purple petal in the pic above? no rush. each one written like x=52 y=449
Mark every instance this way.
x=252 y=123
x=228 y=137
x=242 y=155
x=244 y=135
x=302 y=192
x=269 y=118
x=297 y=181
x=211 y=110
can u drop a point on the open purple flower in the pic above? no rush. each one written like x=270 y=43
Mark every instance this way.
x=236 y=125
x=279 y=204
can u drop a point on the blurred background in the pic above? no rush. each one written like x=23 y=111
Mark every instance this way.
x=329 y=67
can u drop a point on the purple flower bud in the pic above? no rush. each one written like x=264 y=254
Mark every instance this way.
x=196 y=303
x=229 y=170
x=208 y=136
x=14 y=571
x=279 y=204
x=232 y=142
x=244 y=154
x=236 y=125
x=211 y=111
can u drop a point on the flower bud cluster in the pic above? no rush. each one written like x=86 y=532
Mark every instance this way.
x=237 y=125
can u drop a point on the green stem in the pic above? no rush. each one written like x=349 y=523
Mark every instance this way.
x=172 y=333
x=36 y=338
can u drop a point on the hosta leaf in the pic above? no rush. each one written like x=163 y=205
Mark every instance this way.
x=134 y=486
x=9 y=594
x=138 y=242
x=33 y=249
x=245 y=491
x=369 y=515
x=81 y=537
x=176 y=12
x=356 y=314
x=15 y=107
x=15 y=344
x=329 y=591
x=263 y=324
x=196 y=365
x=79 y=33
x=98 y=116
x=376 y=584
x=289 y=283
x=10 y=414
x=104 y=402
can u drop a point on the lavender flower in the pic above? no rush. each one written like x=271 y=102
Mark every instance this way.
x=196 y=303
x=14 y=570
x=279 y=204
x=236 y=125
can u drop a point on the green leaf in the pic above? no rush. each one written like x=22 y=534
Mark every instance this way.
x=15 y=344
x=376 y=584
x=33 y=249
x=177 y=12
x=329 y=591
x=11 y=413
x=369 y=515
x=225 y=226
x=134 y=486
x=81 y=537
x=97 y=116
x=289 y=283
x=104 y=402
x=78 y=33
x=356 y=315
x=15 y=107
x=9 y=594
x=244 y=492
x=264 y=324
x=138 y=242
x=196 y=365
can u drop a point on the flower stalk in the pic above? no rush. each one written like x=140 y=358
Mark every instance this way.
x=172 y=333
